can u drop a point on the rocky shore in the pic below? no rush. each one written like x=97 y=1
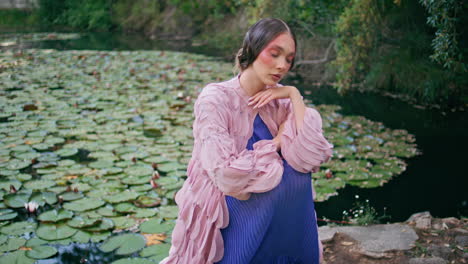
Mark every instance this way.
x=421 y=239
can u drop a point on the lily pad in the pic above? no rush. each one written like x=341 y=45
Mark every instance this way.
x=124 y=244
x=19 y=228
x=84 y=204
x=121 y=197
x=123 y=222
x=71 y=196
x=7 y=214
x=41 y=252
x=154 y=226
x=156 y=252
x=13 y=243
x=102 y=225
x=133 y=261
x=39 y=184
x=55 y=231
x=17 y=257
x=170 y=211
x=82 y=221
x=55 y=215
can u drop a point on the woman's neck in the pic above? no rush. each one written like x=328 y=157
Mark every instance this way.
x=250 y=82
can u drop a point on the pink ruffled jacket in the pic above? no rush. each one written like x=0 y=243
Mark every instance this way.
x=221 y=165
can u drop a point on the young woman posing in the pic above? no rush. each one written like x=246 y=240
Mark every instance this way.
x=248 y=196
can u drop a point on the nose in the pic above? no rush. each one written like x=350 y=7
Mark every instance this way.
x=282 y=65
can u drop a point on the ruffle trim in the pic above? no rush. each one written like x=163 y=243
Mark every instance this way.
x=196 y=237
x=307 y=148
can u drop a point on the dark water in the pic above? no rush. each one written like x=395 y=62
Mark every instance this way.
x=435 y=181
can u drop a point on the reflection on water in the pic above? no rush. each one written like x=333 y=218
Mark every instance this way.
x=434 y=181
x=76 y=253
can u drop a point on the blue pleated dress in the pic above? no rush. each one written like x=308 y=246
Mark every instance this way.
x=275 y=227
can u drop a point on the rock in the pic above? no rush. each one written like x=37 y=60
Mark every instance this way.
x=451 y=222
x=439 y=251
x=435 y=260
x=326 y=233
x=375 y=240
x=460 y=230
x=421 y=220
x=462 y=241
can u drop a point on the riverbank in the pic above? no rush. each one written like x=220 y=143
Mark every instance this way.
x=421 y=239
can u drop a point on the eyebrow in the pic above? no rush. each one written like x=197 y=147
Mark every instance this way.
x=280 y=48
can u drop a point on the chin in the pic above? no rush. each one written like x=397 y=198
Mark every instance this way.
x=270 y=82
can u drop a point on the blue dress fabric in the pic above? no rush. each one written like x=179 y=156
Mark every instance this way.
x=275 y=227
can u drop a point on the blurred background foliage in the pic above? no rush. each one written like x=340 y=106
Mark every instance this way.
x=412 y=48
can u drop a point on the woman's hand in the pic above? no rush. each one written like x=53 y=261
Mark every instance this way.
x=277 y=139
x=264 y=97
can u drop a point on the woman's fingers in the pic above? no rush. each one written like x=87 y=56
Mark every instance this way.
x=255 y=99
x=263 y=99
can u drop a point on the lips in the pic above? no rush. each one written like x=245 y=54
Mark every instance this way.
x=276 y=77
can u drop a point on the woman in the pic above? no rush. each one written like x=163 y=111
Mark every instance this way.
x=248 y=196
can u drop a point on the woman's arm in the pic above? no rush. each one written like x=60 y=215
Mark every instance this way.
x=264 y=97
x=302 y=142
x=235 y=173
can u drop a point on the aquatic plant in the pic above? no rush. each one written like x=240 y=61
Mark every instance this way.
x=99 y=141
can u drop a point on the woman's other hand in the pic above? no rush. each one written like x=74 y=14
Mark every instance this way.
x=277 y=139
x=264 y=97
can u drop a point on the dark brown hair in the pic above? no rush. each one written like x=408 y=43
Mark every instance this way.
x=257 y=38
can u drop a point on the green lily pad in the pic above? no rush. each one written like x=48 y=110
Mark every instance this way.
x=55 y=231
x=133 y=261
x=35 y=241
x=156 y=252
x=124 y=244
x=17 y=257
x=13 y=243
x=170 y=211
x=144 y=213
x=84 y=204
x=122 y=197
x=5 y=185
x=101 y=164
x=136 y=171
x=82 y=221
x=19 y=228
x=55 y=215
x=125 y=208
x=39 y=184
x=7 y=214
x=71 y=196
x=81 y=237
x=154 y=226
x=123 y=222
x=67 y=152
x=102 y=225
x=97 y=237
x=136 y=180
x=41 y=252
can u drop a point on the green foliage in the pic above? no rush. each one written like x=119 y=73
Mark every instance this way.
x=363 y=213
x=357 y=36
x=444 y=16
x=80 y=14
x=388 y=48
x=18 y=18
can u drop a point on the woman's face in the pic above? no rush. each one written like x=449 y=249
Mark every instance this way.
x=275 y=60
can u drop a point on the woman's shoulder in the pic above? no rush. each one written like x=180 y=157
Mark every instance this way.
x=217 y=92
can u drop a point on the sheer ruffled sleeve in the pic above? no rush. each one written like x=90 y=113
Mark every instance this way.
x=235 y=173
x=307 y=148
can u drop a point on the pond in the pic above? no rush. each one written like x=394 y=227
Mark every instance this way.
x=432 y=181
x=435 y=181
